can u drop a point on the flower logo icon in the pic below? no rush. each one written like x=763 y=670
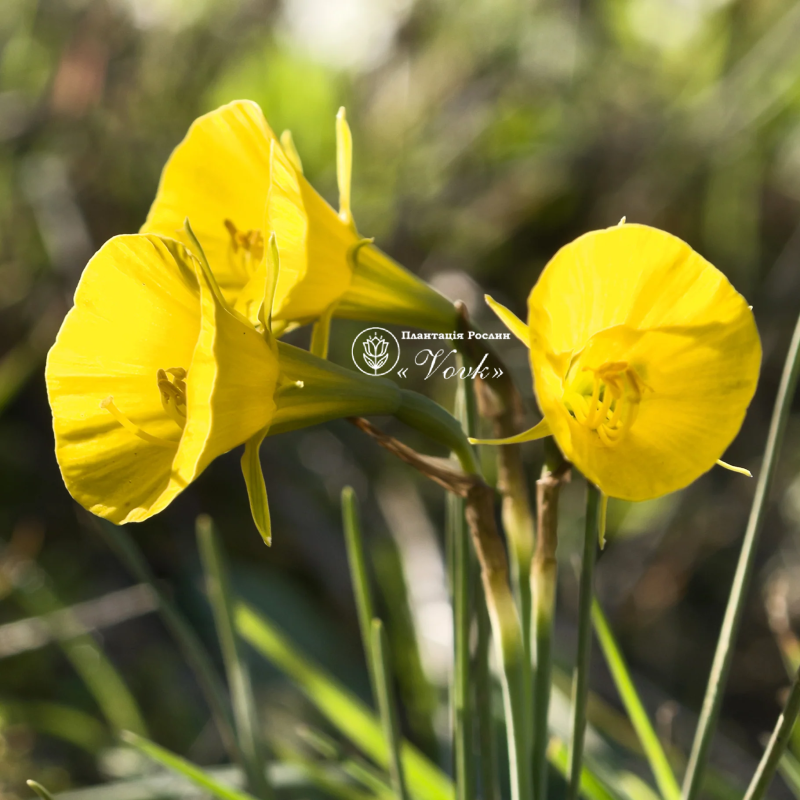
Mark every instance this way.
x=376 y=351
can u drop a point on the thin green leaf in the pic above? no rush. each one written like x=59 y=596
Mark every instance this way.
x=777 y=744
x=723 y=656
x=189 y=643
x=182 y=767
x=789 y=767
x=222 y=602
x=358 y=574
x=591 y=787
x=40 y=790
x=388 y=710
x=580 y=682
x=70 y=724
x=256 y=488
x=342 y=709
x=106 y=685
x=356 y=768
x=654 y=752
x=460 y=566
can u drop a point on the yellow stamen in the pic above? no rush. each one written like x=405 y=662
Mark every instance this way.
x=108 y=405
x=251 y=243
x=621 y=389
x=173 y=394
x=740 y=470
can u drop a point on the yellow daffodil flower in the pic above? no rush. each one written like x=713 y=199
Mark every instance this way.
x=644 y=359
x=153 y=375
x=238 y=183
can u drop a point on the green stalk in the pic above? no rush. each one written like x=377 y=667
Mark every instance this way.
x=241 y=690
x=391 y=732
x=460 y=583
x=358 y=576
x=580 y=681
x=490 y=786
x=777 y=744
x=733 y=613
x=544 y=569
x=657 y=758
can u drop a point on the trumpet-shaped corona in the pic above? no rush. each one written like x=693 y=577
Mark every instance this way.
x=237 y=183
x=153 y=375
x=644 y=359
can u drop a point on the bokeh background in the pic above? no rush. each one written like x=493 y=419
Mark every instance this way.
x=487 y=134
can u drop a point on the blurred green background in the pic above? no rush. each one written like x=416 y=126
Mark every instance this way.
x=487 y=134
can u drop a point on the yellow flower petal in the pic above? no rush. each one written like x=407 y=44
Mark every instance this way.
x=510 y=320
x=539 y=431
x=237 y=185
x=256 y=488
x=644 y=359
x=219 y=172
x=143 y=305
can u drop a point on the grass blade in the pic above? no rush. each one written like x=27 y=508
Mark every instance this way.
x=342 y=709
x=358 y=575
x=720 y=667
x=221 y=598
x=357 y=769
x=459 y=565
x=112 y=696
x=182 y=767
x=40 y=790
x=391 y=728
x=789 y=767
x=53 y=719
x=544 y=577
x=189 y=643
x=657 y=758
x=487 y=742
x=590 y=785
x=777 y=744
x=580 y=682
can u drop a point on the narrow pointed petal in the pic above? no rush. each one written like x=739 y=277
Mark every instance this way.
x=732 y=468
x=321 y=332
x=313 y=242
x=510 y=320
x=256 y=488
x=344 y=165
x=538 y=431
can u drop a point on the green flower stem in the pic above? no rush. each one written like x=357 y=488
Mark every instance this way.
x=733 y=613
x=391 y=732
x=777 y=744
x=544 y=569
x=580 y=682
x=657 y=758
x=241 y=690
x=490 y=774
x=460 y=582
x=432 y=420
